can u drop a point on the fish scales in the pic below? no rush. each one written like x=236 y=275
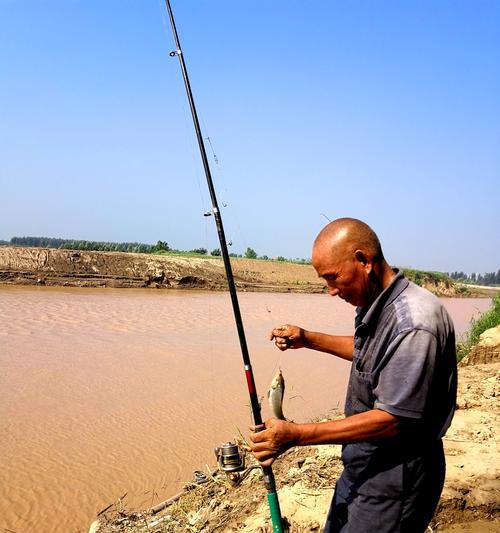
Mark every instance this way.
x=275 y=395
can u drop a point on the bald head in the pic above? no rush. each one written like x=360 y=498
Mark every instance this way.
x=348 y=256
x=343 y=236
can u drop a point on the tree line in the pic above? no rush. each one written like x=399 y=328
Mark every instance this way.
x=488 y=278
x=99 y=246
x=131 y=247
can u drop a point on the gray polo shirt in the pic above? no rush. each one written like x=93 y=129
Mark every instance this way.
x=404 y=358
x=403 y=363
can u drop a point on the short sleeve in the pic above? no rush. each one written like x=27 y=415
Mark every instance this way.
x=403 y=383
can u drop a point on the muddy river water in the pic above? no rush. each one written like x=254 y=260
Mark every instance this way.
x=105 y=392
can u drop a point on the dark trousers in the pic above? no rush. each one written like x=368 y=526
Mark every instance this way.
x=354 y=510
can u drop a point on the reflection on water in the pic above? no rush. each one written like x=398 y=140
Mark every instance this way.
x=104 y=392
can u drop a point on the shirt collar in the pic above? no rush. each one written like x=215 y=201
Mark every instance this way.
x=369 y=316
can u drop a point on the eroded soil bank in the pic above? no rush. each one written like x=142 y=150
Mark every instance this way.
x=71 y=268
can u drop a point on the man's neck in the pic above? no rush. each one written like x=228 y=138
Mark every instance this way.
x=383 y=275
x=386 y=275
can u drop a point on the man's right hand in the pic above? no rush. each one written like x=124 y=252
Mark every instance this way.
x=288 y=336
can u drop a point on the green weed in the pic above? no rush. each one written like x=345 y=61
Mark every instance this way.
x=489 y=319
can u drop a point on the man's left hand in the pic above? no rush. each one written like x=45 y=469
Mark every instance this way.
x=279 y=436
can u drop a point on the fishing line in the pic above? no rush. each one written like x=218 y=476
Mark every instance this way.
x=187 y=133
x=216 y=159
x=289 y=389
x=218 y=171
x=236 y=233
x=277 y=358
x=192 y=154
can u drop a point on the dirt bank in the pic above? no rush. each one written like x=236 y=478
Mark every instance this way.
x=46 y=266
x=305 y=478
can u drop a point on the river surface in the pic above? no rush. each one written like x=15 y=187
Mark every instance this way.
x=105 y=392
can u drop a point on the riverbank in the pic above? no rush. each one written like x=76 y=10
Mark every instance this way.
x=469 y=502
x=70 y=268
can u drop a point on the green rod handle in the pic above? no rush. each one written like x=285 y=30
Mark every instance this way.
x=274 y=507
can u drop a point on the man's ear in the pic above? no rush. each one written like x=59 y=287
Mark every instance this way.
x=364 y=260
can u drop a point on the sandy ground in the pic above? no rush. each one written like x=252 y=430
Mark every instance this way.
x=305 y=477
x=473 y=464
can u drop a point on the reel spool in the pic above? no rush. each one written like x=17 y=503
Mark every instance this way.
x=230 y=457
x=231 y=460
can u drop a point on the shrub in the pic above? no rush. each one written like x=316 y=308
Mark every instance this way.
x=251 y=253
x=489 y=319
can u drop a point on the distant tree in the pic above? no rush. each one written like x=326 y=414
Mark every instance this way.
x=143 y=248
x=161 y=246
x=280 y=258
x=216 y=252
x=201 y=251
x=264 y=257
x=250 y=253
x=489 y=278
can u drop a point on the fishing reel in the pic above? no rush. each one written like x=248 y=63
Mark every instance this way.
x=230 y=457
x=231 y=461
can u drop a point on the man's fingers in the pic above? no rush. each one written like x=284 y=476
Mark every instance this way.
x=259 y=436
x=260 y=448
x=280 y=331
x=265 y=460
x=283 y=343
x=256 y=429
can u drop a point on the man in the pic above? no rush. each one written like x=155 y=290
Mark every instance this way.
x=401 y=393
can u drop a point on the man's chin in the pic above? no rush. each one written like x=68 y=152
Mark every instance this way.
x=352 y=301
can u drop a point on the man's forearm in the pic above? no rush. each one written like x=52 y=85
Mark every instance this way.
x=371 y=425
x=340 y=346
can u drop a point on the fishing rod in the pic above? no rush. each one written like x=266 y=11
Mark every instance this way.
x=269 y=480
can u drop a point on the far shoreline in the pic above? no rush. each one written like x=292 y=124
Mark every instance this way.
x=26 y=266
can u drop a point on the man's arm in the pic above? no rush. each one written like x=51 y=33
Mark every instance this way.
x=293 y=337
x=280 y=435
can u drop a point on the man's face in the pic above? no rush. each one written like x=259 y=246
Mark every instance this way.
x=346 y=277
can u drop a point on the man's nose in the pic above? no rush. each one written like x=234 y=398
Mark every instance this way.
x=333 y=291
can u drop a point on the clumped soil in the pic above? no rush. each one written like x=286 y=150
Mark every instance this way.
x=306 y=476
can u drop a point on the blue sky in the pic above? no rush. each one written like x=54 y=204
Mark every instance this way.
x=382 y=110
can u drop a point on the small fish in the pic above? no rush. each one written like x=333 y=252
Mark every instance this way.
x=275 y=395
